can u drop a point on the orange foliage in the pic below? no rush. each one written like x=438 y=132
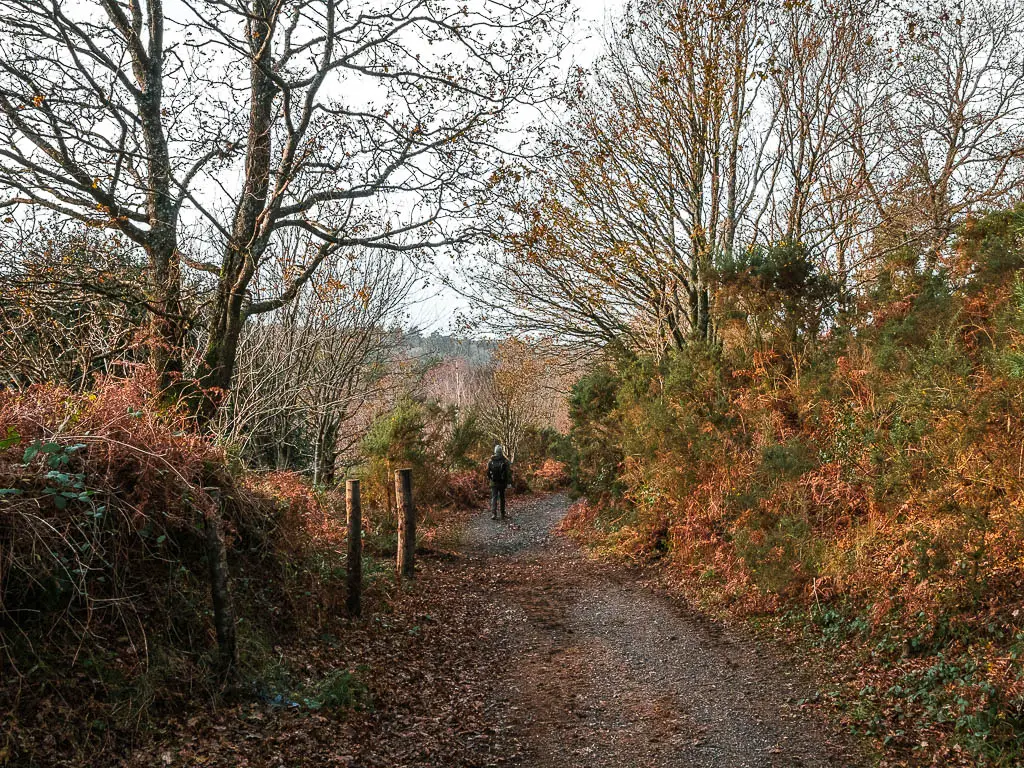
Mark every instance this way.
x=107 y=493
x=308 y=518
x=550 y=475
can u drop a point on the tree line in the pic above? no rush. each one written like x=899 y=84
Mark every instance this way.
x=710 y=139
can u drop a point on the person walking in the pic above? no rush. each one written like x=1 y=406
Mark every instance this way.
x=499 y=472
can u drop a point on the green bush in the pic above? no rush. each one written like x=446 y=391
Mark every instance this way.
x=786 y=461
x=597 y=455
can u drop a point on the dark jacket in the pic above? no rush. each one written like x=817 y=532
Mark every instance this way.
x=499 y=471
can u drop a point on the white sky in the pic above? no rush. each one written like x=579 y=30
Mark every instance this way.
x=435 y=307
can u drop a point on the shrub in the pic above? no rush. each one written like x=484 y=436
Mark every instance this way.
x=869 y=473
x=103 y=569
x=550 y=476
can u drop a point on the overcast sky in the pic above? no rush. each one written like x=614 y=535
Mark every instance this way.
x=436 y=307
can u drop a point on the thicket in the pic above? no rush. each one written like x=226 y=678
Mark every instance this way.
x=105 y=583
x=849 y=467
x=108 y=612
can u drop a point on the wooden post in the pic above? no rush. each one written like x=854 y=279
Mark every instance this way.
x=220 y=587
x=406 y=523
x=354 y=574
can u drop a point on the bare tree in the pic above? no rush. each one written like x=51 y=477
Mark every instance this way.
x=90 y=131
x=361 y=124
x=957 y=127
x=656 y=171
x=307 y=370
x=525 y=390
x=453 y=382
x=321 y=158
x=821 y=49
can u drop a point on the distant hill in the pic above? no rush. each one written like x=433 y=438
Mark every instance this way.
x=439 y=346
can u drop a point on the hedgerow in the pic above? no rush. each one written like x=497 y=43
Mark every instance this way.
x=867 y=480
x=104 y=577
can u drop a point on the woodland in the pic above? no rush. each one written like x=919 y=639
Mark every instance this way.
x=746 y=287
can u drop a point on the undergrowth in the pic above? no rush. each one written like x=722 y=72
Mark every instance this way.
x=106 y=624
x=861 y=486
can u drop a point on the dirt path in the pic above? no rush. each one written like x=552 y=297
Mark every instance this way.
x=516 y=651
x=602 y=672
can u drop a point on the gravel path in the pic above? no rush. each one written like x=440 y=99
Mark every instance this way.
x=517 y=651
x=603 y=672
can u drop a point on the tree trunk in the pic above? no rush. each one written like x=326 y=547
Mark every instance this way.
x=164 y=289
x=704 y=314
x=166 y=325
x=247 y=242
x=326 y=453
x=223 y=334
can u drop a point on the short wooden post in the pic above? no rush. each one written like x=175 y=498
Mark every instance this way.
x=224 y=620
x=406 y=523
x=354 y=574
